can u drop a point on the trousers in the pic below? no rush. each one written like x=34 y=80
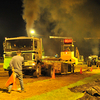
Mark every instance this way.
x=20 y=77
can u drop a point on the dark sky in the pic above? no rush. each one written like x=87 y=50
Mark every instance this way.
x=11 y=22
x=71 y=18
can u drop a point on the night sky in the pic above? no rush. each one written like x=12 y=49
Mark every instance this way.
x=11 y=22
x=71 y=18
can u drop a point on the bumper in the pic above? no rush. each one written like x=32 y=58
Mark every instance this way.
x=29 y=68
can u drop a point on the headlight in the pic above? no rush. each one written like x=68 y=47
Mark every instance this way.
x=33 y=63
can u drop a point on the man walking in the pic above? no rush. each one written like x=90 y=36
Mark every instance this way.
x=16 y=65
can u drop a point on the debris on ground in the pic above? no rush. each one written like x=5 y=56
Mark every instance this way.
x=91 y=90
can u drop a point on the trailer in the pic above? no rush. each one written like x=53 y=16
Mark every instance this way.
x=60 y=66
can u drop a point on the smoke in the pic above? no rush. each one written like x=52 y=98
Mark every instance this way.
x=30 y=13
x=95 y=47
x=71 y=18
x=57 y=8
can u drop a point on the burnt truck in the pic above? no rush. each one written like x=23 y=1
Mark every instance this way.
x=98 y=62
x=92 y=60
x=32 y=50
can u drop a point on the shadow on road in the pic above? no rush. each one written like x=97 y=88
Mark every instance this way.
x=4 y=90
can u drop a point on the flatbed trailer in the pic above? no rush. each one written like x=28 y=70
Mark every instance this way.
x=61 y=67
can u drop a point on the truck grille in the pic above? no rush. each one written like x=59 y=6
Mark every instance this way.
x=28 y=56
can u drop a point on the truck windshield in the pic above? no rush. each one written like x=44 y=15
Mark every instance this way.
x=22 y=44
x=68 y=48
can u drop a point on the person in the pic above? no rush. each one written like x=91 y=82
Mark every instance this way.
x=68 y=49
x=16 y=66
x=56 y=55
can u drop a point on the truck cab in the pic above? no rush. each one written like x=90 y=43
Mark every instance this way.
x=31 y=49
x=67 y=51
x=92 y=60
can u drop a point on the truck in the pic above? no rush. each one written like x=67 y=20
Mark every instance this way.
x=92 y=60
x=98 y=62
x=66 y=62
x=31 y=49
x=34 y=62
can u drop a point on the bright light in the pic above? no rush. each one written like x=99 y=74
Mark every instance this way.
x=32 y=31
x=68 y=41
x=33 y=63
x=65 y=52
x=5 y=38
x=90 y=57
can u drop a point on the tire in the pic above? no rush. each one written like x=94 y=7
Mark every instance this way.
x=96 y=64
x=89 y=64
x=73 y=69
x=37 y=71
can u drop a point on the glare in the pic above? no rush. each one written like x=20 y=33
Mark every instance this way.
x=90 y=57
x=33 y=64
x=32 y=31
x=5 y=38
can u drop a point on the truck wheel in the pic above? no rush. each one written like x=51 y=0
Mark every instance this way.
x=50 y=70
x=73 y=69
x=96 y=65
x=36 y=73
x=89 y=64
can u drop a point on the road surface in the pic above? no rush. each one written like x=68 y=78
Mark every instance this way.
x=37 y=86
